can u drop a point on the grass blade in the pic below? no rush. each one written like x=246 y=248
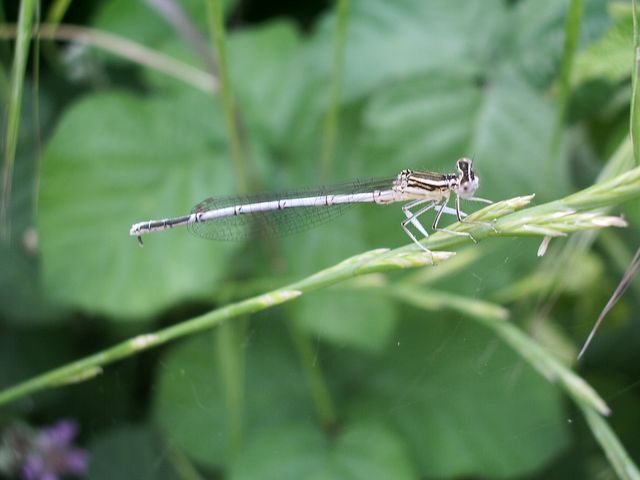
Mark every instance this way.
x=634 y=121
x=216 y=25
x=613 y=449
x=21 y=54
x=619 y=291
x=333 y=114
x=571 y=37
x=553 y=216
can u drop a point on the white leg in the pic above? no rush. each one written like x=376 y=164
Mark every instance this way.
x=440 y=208
x=451 y=211
x=413 y=217
x=460 y=217
x=457 y=212
x=413 y=237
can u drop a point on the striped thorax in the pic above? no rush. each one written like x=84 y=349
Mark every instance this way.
x=429 y=185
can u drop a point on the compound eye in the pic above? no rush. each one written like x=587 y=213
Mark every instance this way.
x=464 y=166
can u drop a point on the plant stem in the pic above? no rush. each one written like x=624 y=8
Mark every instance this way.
x=332 y=119
x=231 y=356
x=349 y=268
x=216 y=21
x=634 y=118
x=571 y=37
x=613 y=449
x=125 y=48
x=556 y=218
x=23 y=38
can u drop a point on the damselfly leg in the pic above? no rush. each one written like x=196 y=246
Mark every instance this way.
x=475 y=199
x=412 y=217
x=445 y=209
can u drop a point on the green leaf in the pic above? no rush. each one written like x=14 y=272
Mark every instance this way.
x=280 y=95
x=346 y=317
x=361 y=451
x=21 y=297
x=422 y=122
x=270 y=85
x=387 y=41
x=536 y=36
x=611 y=57
x=131 y=452
x=390 y=40
x=116 y=159
x=457 y=395
x=512 y=143
x=190 y=402
x=426 y=122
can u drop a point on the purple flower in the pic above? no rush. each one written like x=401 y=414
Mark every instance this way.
x=53 y=455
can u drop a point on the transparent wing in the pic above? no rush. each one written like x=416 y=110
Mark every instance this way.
x=276 y=223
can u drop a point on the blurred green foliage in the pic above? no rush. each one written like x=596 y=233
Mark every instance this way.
x=416 y=394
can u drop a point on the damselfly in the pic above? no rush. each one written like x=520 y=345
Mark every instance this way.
x=237 y=217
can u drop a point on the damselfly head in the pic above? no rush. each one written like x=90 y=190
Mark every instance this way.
x=468 y=181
